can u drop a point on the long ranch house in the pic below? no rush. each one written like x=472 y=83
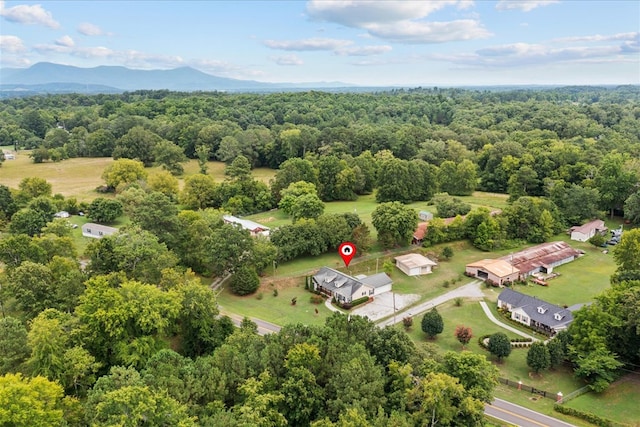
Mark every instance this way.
x=533 y=312
x=345 y=288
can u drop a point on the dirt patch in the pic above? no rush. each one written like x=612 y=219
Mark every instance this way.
x=271 y=283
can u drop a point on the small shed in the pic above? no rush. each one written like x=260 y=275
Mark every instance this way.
x=61 y=214
x=414 y=264
x=97 y=231
x=425 y=216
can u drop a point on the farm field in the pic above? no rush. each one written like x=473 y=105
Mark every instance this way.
x=79 y=177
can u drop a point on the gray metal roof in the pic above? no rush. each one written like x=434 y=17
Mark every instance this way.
x=345 y=285
x=538 y=310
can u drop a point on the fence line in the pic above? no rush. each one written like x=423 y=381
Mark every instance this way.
x=529 y=389
x=574 y=394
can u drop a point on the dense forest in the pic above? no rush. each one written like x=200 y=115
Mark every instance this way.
x=131 y=337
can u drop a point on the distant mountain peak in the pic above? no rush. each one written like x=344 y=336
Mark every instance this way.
x=183 y=78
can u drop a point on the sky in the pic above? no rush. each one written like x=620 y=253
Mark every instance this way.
x=368 y=43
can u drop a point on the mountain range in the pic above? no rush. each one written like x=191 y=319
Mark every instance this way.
x=46 y=77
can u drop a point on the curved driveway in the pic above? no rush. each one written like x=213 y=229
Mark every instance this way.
x=470 y=290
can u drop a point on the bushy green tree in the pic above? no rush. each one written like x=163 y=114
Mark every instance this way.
x=244 y=281
x=432 y=323
x=538 y=357
x=499 y=345
x=395 y=223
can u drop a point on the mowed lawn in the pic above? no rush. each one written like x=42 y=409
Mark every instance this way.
x=618 y=403
x=276 y=309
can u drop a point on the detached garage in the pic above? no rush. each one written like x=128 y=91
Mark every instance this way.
x=414 y=264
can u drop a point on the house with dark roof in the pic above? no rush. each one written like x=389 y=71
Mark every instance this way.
x=345 y=288
x=254 y=228
x=534 y=312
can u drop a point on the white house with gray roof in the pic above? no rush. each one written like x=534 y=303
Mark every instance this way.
x=97 y=231
x=534 y=312
x=254 y=228
x=345 y=288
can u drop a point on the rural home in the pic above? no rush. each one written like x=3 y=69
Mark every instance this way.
x=61 y=214
x=97 y=231
x=254 y=228
x=414 y=264
x=345 y=288
x=586 y=231
x=534 y=312
x=8 y=155
x=425 y=215
x=496 y=271
x=542 y=258
x=418 y=235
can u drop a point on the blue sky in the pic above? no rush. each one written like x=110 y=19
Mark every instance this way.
x=444 y=43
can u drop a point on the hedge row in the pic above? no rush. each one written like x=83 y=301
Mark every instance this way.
x=515 y=342
x=587 y=416
x=355 y=302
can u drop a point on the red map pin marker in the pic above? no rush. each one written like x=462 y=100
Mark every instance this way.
x=347 y=251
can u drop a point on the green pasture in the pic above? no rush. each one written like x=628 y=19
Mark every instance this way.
x=618 y=403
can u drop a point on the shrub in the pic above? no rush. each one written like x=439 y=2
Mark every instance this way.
x=275 y=292
x=407 y=322
x=587 y=416
x=445 y=284
x=447 y=252
x=316 y=299
x=259 y=296
x=458 y=301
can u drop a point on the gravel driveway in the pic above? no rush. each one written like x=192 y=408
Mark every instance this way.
x=382 y=305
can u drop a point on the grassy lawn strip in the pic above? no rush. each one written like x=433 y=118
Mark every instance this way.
x=618 y=403
x=535 y=403
x=276 y=309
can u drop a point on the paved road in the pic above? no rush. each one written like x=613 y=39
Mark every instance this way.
x=491 y=317
x=470 y=290
x=264 y=327
x=519 y=416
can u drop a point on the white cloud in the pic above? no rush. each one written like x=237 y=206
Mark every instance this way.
x=287 y=60
x=525 y=54
x=523 y=5
x=359 y=14
x=65 y=41
x=399 y=21
x=430 y=32
x=363 y=51
x=633 y=36
x=24 y=14
x=88 y=29
x=312 y=44
x=11 y=44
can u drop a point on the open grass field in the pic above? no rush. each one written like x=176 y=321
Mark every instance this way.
x=618 y=403
x=79 y=177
